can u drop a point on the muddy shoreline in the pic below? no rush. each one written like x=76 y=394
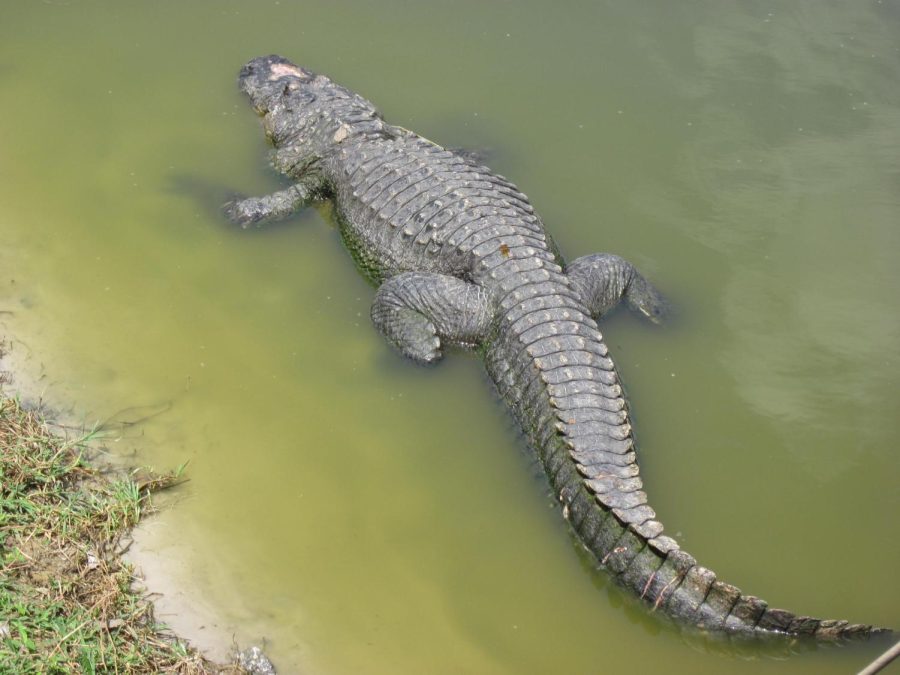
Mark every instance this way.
x=199 y=645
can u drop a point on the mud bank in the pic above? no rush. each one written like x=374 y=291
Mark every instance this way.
x=70 y=599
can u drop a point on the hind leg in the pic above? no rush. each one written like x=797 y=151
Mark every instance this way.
x=415 y=311
x=603 y=280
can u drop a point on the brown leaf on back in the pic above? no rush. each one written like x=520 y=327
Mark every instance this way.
x=342 y=133
x=504 y=249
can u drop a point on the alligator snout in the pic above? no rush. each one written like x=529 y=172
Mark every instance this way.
x=273 y=67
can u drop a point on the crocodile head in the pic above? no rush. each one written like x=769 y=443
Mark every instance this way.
x=266 y=80
x=285 y=96
x=294 y=105
x=305 y=115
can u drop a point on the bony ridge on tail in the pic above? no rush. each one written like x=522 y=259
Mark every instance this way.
x=461 y=258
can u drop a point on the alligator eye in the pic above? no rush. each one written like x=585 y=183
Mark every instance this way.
x=286 y=90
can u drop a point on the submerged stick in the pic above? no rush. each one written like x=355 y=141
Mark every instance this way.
x=882 y=661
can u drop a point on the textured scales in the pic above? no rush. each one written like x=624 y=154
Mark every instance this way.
x=460 y=257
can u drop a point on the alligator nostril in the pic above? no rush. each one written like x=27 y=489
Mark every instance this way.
x=247 y=70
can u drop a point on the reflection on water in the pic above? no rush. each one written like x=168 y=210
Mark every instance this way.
x=364 y=515
x=797 y=160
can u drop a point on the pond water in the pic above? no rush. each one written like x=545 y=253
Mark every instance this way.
x=360 y=514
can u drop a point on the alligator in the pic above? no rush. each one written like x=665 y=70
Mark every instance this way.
x=460 y=258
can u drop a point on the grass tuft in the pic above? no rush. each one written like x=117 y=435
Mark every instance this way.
x=67 y=600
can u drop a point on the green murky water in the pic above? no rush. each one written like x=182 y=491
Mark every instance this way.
x=363 y=515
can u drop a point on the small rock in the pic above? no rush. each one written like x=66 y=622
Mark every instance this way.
x=255 y=662
x=93 y=562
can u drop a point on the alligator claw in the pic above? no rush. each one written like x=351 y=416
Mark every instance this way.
x=646 y=300
x=243 y=212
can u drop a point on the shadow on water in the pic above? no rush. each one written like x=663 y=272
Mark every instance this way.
x=207 y=195
x=210 y=197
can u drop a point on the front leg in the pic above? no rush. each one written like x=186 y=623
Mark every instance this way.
x=416 y=310
x=276 y=206
x=603 y=280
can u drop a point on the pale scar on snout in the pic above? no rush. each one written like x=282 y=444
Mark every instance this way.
x=281 y=69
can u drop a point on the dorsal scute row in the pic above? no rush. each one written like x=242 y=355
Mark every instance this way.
x=436 y=201
x=591 y=417
x=443 y=205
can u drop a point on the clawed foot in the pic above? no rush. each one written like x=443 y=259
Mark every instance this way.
x=421 y=342
x=272 y=207
x=244 y=212
x=644 y=299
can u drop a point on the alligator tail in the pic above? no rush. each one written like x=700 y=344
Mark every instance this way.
x=671 y=582
x=563 y=388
